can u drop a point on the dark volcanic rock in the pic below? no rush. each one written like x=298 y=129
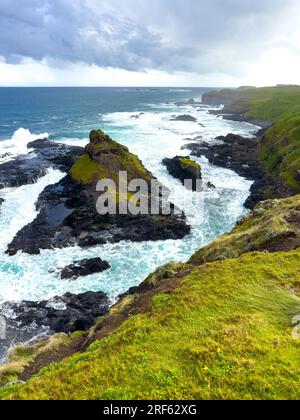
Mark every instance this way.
x=68 y=214
x=84 y=268
x=187 y=118
x=21 y=171
x=211 y=185
x=28 y=168
x=184 y=168
x=67 y=314
x=237 y=153
x=242 y=156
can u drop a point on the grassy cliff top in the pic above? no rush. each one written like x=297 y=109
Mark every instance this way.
x=203 y=330
x=274 y=225
x=225 y=333
x=280 y=148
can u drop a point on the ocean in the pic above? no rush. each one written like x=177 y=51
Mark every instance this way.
x=141 y=119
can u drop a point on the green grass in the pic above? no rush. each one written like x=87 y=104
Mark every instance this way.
x=280 y=149
x=187 y=163
x=225 y=333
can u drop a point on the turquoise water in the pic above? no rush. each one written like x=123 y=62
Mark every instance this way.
x=67 y=115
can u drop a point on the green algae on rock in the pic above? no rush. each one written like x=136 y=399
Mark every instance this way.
x=104 y=159
x=185 y=169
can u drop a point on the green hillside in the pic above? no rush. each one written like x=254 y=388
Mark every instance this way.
x=280 y=148
x=223 y=326
x=224 y=333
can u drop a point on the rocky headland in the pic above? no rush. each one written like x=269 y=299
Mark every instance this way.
x=68 y=213
x=225 y=325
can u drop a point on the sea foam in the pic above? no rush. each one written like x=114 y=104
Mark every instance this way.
x=17 y=144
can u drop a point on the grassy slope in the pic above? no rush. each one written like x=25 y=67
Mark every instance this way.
x=280 y=149
x=224 y=333
x=274 y=225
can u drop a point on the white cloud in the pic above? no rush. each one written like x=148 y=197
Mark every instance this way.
x=137 y=43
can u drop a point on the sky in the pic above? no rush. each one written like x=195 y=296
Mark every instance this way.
x=149 y=42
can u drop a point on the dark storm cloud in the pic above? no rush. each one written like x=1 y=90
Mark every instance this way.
x=189 y=35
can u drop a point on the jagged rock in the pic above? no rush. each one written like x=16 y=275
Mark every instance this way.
x=67 y=210
x=241 y=155
x=187 y=118
x=67 y=314
x=211 y=185
x=184 y=168
x=84 y=268
x=27 y=169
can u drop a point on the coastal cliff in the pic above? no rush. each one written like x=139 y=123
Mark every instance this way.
x=222 y=326
x=277 y=110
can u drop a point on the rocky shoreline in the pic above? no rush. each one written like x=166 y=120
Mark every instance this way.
x=43 y=154
x=67 y=210
x=68 y=216
x=238 y=153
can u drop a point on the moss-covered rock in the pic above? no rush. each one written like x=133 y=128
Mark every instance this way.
x=69 y=212
x=184 y=168
x=104 y=159
x=274 y=225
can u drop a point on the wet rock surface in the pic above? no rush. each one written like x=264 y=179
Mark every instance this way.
x=233 y=152
x=84 y=268
x=183 y=168
x=68 y=217
x=186 y=118
x=242 y=156
x=67 y=314
x=44 y=154
x=67 y=210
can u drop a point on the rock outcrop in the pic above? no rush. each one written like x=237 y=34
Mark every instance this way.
x=84 y=268
x=66 y=314
x=242 y=156
x=185 y=118
x=68 y=213
x=184 y=168
x=44 y=154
